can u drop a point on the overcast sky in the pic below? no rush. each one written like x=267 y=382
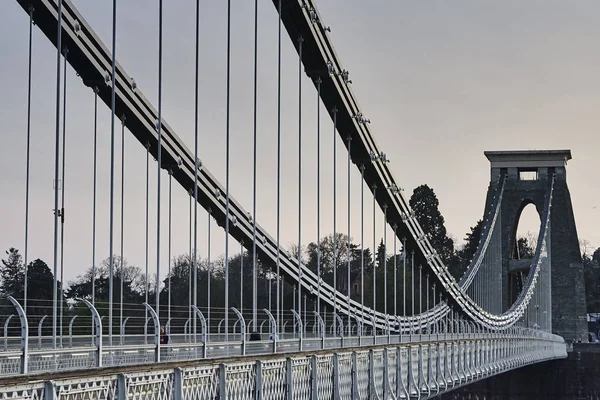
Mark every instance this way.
x=440 y=81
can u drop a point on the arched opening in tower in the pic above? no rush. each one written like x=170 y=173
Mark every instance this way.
x=523 y=247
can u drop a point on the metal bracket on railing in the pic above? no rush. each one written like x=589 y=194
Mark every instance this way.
x=71 y=330
x=24 y=334
x=340 y=324
x=399 y=325
x=156 y=331
x=6 y=330
x=202 y=322
x=185 y=329
x=373 y=329
x=204 y=332
x=124 y=325
x=98 y=328
x=145 y=329
x=273 y=323
x=321 y=328
x=40 y=331
x=168 y=326
x=242 y=329
x=299 y=323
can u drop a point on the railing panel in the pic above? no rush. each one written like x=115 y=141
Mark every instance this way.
x=301 y=372
x=200 y=383
x=240 y=381
x=345 y=376
x=273 y=380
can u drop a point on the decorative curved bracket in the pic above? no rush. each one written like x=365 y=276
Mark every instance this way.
x=321 y=323
x=24 y=334
x=340 y=324
x=145 y=329
x=373 y=326
x=185 y=328
x=71 y=330
x=6 y=330
x=98 y=330
x=273 y=324
x=358 y=325
x=124 y=325
x=40 y=330
x=261 y=326
x=202 y=322
x=298 y=321
x=241 y=321
x=242 y=329
x=156 y=331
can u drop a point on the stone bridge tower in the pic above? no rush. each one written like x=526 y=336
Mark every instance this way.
x=527 y=173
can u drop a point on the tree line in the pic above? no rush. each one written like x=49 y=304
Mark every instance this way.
x=320 y=257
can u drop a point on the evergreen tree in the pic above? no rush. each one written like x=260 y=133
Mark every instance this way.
x=425 y=205
x=465 y=254
x=12 y=274
x=41 y=289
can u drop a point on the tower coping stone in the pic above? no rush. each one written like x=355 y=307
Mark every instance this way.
x=528 y=158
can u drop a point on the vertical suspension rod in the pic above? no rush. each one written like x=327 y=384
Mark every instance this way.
x=169 y=250
x=348 y=238
x=384 y=261
x=279 y=302
x=374 y=258
x=122 y=266
x=193 y=263
x=362 y=243
x=62 y=194
x=112 y=172
x=159 y=159
x=335 y=261
x=147 y=236
x=56 y=157
x=227 y=174
x=254 y=266
x=27 y=158
x=300 y=40
x=94 y=201
x=319 y=195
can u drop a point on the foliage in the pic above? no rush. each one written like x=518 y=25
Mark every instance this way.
x=425 y=205
x=464 y=254
x=12 y=274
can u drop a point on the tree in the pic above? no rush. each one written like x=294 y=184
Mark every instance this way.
x=12 y=274
x=342 y=255
x=425 y=205
x=591 y=271
x=133 y=282
x=465 y=254
x=523 y=249
x=41 y=279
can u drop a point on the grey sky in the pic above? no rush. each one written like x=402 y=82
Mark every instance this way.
x=441 y=82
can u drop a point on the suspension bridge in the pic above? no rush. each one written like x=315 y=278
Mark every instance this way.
x=277 y=327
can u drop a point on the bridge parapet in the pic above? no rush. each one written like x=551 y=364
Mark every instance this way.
x=421 y=370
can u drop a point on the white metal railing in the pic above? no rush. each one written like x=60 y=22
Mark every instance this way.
x=136 y=349
x=400 y=370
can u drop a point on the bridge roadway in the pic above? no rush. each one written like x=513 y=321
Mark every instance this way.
x=395 y=367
